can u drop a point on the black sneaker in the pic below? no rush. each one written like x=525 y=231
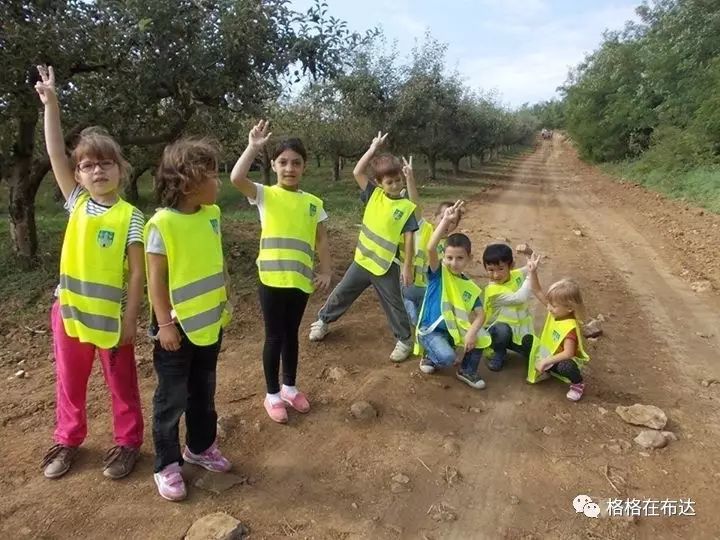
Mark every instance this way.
x=471 y=379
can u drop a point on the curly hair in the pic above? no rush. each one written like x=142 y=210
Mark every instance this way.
x=184 y=164
x=96 y=143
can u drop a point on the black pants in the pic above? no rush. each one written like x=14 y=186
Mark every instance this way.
x=283 y=310
x=186 y=384
x=569 y=369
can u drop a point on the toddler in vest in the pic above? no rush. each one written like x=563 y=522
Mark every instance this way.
x=559 y=351
x=293 y=230
x=450 y=328
x=507 y=314
x=97 y=300
x=388 y=217
x=187 y=287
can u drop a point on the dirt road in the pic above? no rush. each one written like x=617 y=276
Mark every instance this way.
x=505 y=462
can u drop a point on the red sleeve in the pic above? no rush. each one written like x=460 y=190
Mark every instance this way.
x=571 y=340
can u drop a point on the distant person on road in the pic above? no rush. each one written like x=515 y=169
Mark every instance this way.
x=293 y=231
x=388 y=217
x=102 y=275
x=559 y=351
x=450 y=328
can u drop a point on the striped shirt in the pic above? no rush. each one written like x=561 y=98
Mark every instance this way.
x=135 y=234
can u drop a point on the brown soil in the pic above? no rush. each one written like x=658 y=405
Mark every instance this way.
x=324 y=475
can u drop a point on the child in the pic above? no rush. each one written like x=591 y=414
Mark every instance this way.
x=413 y=294
x=449 y=300
x=560 y=350
x=507 y=315
x=388 y=217
x=188 y=296
x=97 y=302
x=293 y=229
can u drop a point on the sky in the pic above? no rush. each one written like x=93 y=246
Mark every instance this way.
x=523 y=49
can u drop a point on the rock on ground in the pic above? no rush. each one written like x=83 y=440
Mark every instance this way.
x=217 y=526
x=362 y=410
x=643 y=415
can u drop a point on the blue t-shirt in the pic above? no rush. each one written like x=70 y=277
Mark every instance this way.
x=431 y=302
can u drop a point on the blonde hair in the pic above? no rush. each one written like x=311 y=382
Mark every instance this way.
x=566 y=293
x=184 y=164
x=95 y=142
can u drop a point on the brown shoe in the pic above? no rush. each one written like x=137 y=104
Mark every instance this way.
x=58 y=460
x=120 y=461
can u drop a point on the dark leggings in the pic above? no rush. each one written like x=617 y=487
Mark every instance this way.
x=569 y=369
x=283 y=310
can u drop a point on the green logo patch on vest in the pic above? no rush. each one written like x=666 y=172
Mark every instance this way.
x=397 y=214
x=518 y=280
x=556 y=335
x=313 y=209
x=466 y=296
x=105 y=238
x=215 y=225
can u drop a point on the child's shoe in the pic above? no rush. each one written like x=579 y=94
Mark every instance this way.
x=496 y=363
x=58 y=460
x=211 y=459
x=170 y=483
x=276 y=410
x=471 y=379
x=426 y=365
x=297 y=400
x=318 y=330
x=402 y=351
x=120 y=461
x=576 y=391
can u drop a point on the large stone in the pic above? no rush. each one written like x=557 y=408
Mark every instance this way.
x=217 y=526
x=592 y=329
x=649 y=438
x=219 y=482
x=643 y=415
x=362 y=410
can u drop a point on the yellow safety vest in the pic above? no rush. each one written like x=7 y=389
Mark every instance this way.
x=194 y=252
x=422 y=259
x=516 y=316
x=92 y=272
x=381 y=230
x=287 y=242
x=457 y=299
x=551 y=341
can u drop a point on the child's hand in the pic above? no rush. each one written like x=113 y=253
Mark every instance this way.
x=259 y=136
x=543 y=364
x=169 y=338
x=524 y=249
x=407 y=168
x=470 y=341
x=46 y=86
x=452 y=213
x=407 y=275
x=378 y=141
x=128 y=332
x=459 y=355
x=533 y=262
x=322 y=281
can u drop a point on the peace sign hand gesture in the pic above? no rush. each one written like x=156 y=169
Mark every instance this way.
x=259 y=136
x=378 y=141
x=451 y=213
x=45 y=87
x=407 y=168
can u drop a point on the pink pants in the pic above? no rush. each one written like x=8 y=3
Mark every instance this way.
x=73 y=364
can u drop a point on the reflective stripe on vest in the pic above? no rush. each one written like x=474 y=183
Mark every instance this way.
x=198 y=291
x=287 y=244
x=517 y=317
x=422 y=239
x=381 y=231
x=92 y=273
x=550 y=341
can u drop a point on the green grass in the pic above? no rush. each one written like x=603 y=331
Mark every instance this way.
x=700 y=185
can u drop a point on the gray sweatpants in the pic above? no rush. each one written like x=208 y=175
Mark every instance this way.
x=387 y=286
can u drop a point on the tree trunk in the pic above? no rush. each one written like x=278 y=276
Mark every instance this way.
x=132 y=194
x=318 y=161
x=265 y=169
x=336 y=168
x=470 y=161
x=456 y=166
x=432 y=166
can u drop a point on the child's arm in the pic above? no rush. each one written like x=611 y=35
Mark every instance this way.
x=533 y=264
x=477 y=324
x=569 y=351
x=257 y=138
x=408 y=269
x=413 y=194
x=359 y=172
x=526 y=250
x=53 y=132
x=135 y=290
x=324 y=274
x=439 y=232
x=159 y=293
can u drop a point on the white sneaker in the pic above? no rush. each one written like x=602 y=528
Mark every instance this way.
x=402 y=351
x=426 y=366
x=318 y=330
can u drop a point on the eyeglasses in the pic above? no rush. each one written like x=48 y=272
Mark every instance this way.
x=89 y=166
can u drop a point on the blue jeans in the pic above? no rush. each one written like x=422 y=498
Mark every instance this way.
x=502 y=341
x=440 y=350
x=413 y=298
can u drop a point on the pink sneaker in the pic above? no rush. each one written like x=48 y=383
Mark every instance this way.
x=276 y=411
x=576 y=391
x=170 y=483
x=299 y=402
x=211 y=459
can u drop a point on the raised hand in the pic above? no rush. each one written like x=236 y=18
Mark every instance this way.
x=407 y=167
x=259 y=136
x=45 y=87
x=452 y=213
x=533 y=262
x=378 y=141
